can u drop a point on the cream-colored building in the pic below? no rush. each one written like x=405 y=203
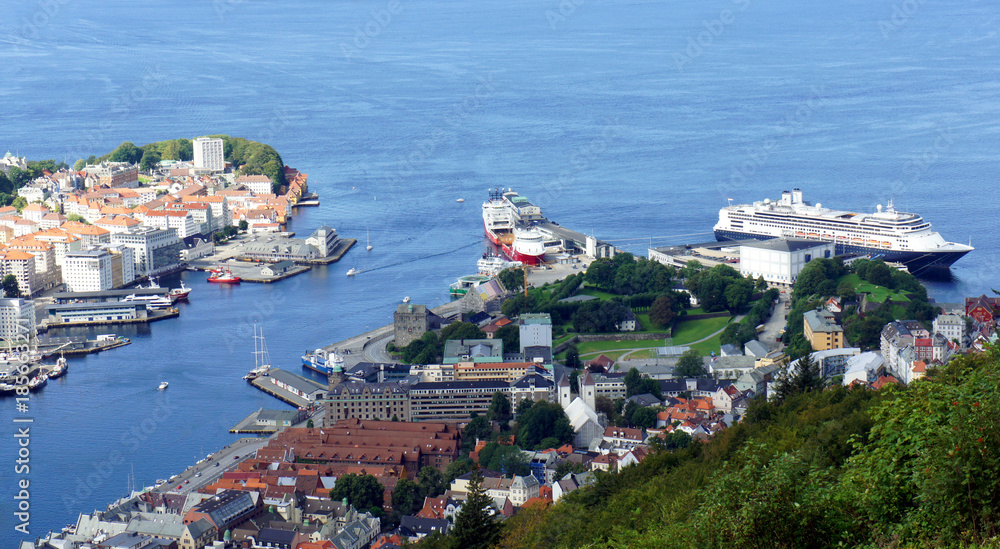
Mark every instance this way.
x=781 y=260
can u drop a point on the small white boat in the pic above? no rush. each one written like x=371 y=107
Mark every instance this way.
x=460 y=200
x=163 y=385
x=352 y=272
x=368 y=241
x=406 y=299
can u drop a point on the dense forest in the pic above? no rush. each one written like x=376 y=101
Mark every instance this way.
x=900 y=467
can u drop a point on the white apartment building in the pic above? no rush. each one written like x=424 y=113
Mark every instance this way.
x=258 y=184
x=209 y=153
x=180 y=220
x=155 y=250
x=22 y=266
x=17 y=319
x=88 y=270
x=951 y=326
x=535 y=330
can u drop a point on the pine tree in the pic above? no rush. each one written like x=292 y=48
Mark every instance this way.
x=476 y=525
x=806 y=377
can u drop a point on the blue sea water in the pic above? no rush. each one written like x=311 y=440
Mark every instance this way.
x=632 y=120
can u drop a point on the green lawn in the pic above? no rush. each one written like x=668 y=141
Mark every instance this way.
x=877 y=294
x=687 y=331
x=647 y=324
x=709 y=345
x=599 y=294
x=597 y=347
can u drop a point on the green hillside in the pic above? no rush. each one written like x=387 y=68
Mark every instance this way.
x=901 y=467
x=250 y=157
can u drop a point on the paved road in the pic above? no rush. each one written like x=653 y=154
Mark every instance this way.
x=375 y=349
x=775 y=324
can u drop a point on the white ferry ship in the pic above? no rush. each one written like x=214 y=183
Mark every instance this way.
x=886 y=234
x=508 y=219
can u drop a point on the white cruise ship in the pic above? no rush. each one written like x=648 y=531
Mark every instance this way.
x=886 y=234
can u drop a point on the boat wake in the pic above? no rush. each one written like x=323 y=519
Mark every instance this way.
x=421 y=258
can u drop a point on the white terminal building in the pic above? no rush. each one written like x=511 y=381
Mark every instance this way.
x=209 y=153
x=781 y=260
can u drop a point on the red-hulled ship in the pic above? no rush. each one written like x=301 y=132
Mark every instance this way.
x=226 y=277
x=508 y=218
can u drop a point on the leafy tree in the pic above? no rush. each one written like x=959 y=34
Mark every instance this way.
x=879 y=274
x=77 y=218
x=461 y=330
x=79 y=165
x=644 y=417
x=479 y=429
x=361 y=491
x=574 y=381
x=760 y=285
x=126 y=152
x=566 y=467
x=664 y=310
x=310 y=424
x=543 y=420
x=511 y=337
x=406 y=497
x=19 y=177
x=10 y=288
x=432 y=482
x=500 y=409
x=635 y=384
x=601 y=273
x=677 y=440
x=845 y=291
x=604 y=405
x=572 y=356
x=803 y=377
x=458 y=468
x=476 y=525
x=150 y=160
x=738 y=294
x=598 y=316
x=505 y=458
x=691 y=268
x=244 y=225
x=524 y=406
x=511 y=279
x=690 y=364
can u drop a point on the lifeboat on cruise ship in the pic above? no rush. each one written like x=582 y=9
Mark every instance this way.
x=887 y=244
x=841 y=237
x=813 y=235
x=873 y=243
x=857 y=241
x=800 y=233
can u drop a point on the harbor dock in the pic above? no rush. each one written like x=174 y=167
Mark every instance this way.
x=265 y=422
x=79 y=346
x=263 y=272
x=293 y=389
